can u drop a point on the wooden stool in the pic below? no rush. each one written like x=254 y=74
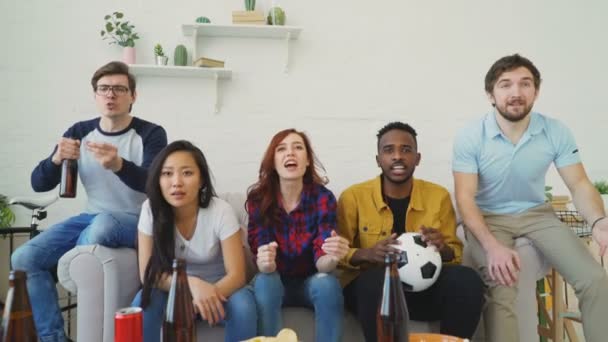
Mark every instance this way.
x=418 y=337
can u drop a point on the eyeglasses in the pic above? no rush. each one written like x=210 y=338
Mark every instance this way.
x=104 y=90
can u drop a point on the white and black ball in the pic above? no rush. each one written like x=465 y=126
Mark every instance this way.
x=420 y=263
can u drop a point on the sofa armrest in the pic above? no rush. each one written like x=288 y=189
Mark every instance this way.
x=104 y=279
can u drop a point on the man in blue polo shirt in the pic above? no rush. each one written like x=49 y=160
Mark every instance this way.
x=113 y=151
x=499 y=168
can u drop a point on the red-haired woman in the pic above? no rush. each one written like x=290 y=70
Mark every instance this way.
x=292 y=221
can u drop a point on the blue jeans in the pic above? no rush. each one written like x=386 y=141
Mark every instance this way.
x=321 y=292
x=240 y=321
x=39 y=256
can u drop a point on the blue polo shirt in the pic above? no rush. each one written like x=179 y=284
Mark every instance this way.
x=512 y=177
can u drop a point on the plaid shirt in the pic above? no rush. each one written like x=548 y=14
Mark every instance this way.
x=300 y=233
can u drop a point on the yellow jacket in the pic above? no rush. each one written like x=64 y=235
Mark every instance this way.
x=364 y=218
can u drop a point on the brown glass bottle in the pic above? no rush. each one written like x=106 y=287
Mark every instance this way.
x=18 y=320
x=69 y=178
x=392 y=317
x=179 y=324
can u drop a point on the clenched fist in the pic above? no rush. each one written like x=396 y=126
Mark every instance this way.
x=266 y=259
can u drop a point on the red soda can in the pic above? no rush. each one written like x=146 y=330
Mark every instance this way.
x=128 y=325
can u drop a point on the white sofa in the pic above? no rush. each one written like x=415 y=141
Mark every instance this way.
x=107 y=279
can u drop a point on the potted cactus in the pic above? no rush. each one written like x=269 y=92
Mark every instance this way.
x=161 y=59
x=180 y=56
x=250 y=5
x=276 y=16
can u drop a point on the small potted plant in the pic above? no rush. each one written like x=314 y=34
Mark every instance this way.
x=161 y=59
x=602 y=188
x=119 y=31
x=7 y=217
x=276 y=14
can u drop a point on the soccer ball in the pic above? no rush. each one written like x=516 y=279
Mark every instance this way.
x=419 y=264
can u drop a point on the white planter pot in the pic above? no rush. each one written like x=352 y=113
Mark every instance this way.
x=162 y=60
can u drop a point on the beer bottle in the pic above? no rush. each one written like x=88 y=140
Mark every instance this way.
x=69 y=178
x=392 y=318
x=18 y=320
x=179 y=324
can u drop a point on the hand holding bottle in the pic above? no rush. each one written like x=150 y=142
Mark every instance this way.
x=66 y=149
x=266 y=258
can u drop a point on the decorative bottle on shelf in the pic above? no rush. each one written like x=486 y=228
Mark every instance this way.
x=18 y=320
x=392 y=317
x=179 y=324
x=69 y=178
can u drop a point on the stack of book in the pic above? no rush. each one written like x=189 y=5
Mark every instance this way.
x=208 y=63
x=248 y=17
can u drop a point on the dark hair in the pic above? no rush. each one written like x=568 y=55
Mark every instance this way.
x=264 y=192
x=509 y=63
x=396 y=125
x=114 y=68
x=163 y=226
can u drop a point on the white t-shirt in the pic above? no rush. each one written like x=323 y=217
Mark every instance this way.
x=203 y=252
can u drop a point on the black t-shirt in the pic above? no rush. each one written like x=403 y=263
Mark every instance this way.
x=399 y=209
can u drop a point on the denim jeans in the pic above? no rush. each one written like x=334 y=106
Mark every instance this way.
x=240 y=320
x=39 y=256
x=321 y=292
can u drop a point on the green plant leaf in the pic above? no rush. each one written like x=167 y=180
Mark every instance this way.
x=135 y=36
x=601 y=187
x=109 y=27
x=103 y=33
x=7 y=217
x=107 y=17
x=118 y=15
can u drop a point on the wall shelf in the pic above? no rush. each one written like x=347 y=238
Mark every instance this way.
x=286 y=33
x=238 y=30
x=183 y=71
x=179 y=71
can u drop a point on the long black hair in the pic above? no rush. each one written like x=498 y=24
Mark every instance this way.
x=163 y=226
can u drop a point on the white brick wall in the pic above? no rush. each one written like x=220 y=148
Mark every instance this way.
x=356 y=66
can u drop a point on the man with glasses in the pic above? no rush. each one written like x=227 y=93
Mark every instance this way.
x=113 y=153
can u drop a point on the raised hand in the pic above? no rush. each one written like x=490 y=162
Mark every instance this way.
x=66 y=149
x=266 y=259
x=335 y=246
x=207 y=300
x=106 y=154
